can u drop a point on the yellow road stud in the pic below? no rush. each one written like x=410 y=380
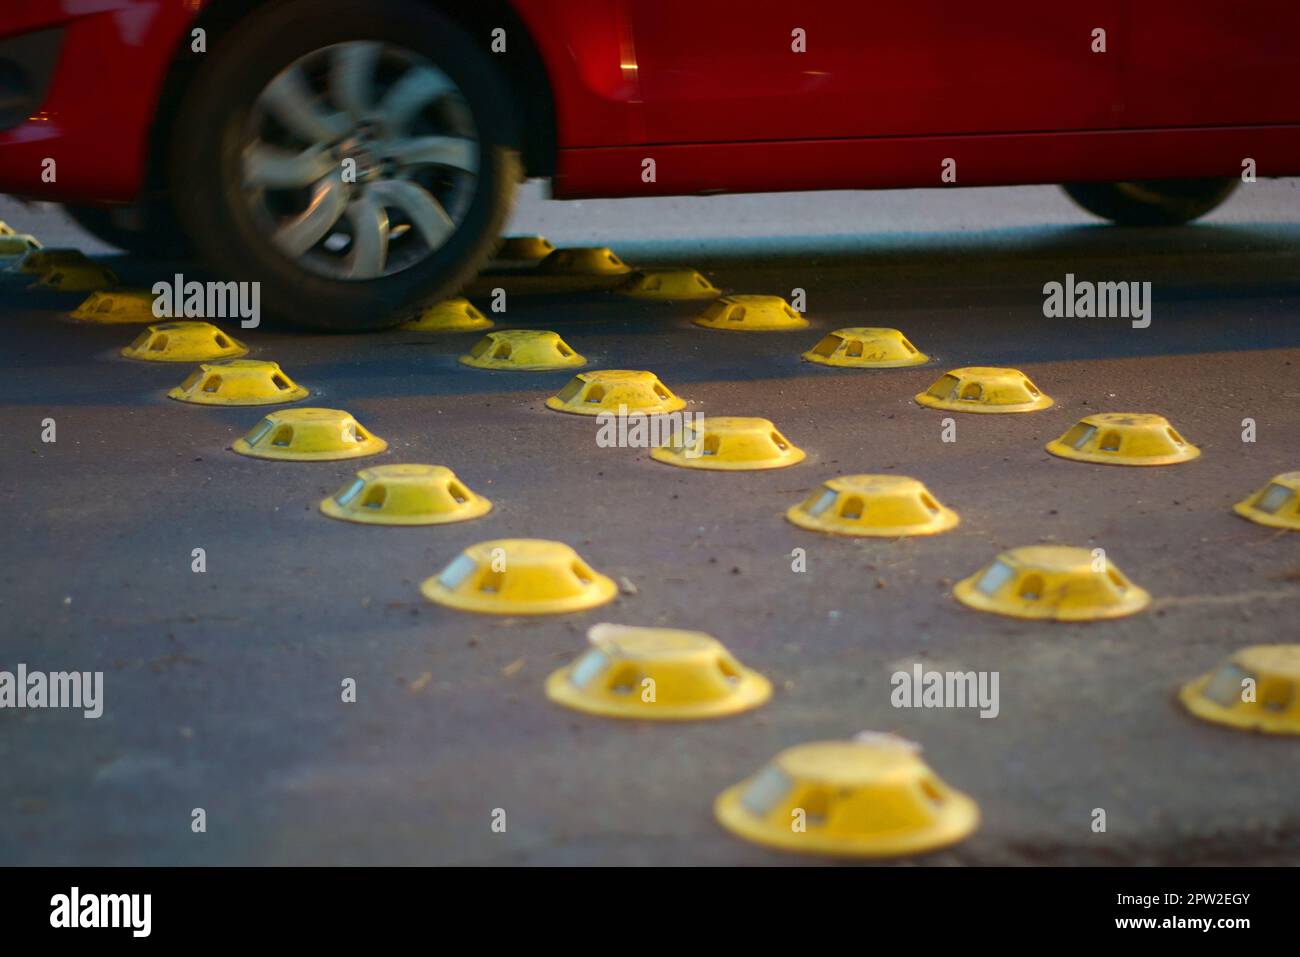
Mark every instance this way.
x=1052 y=582
x=91 y=277
x=1277 y=504
x=656 y=674
x=519 y=576
x=866 y=347
x=122 y=306
x=522 y=350
x=751 y=314
x=14 y=244
x=309 y=435
x=729 y=444
x=885 y=506
x=451 y=315
x=616 y=391
x=521 y=248
x=6 y=229
x=873 y=797
x=673 y=284
x=238 y=382
x=1124 y=438
x=405 y=495
x=183 y=342
x=984 y=389
x=39 y=261
x=1256 y=689
x=583 y=261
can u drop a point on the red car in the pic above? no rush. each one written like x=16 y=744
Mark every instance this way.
x=359 y=157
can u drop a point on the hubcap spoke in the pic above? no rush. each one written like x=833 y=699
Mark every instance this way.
x=453 y=151
x=291 y=101
x=425 y=212
x=299 y=234
x=419 y=87
x=352 y=73
x=369 y=252
x=274 y=167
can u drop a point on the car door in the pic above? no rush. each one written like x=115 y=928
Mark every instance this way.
x=723 y=72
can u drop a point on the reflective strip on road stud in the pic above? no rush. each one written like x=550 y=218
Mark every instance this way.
x=584 y=261
x=873 y=797
x=1256 y=689
x=524 y=248
x=671 y=284
x=39 y=261
x=656 y=674
x=866 y=347
x=522 y=350
x=884 y=506
x=615 y=391
x=183 y=342
x=1124 y=438
x=238 y=382
x=1052 y=582
x=405 y=495
x=452 y=315
x=519 y=576
x=88 y=278
x=308 y=435
x=751 y=314
x=728 y=444
x=1277 y=504
x=120 y=306
x=984 y=389
x=18 y=245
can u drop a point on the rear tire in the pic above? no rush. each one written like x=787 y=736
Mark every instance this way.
x=1170 y=202
x=211 y=143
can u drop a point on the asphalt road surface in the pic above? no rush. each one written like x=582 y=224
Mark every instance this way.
x=222 y=689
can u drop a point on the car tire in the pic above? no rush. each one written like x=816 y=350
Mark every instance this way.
x=210 y=146
x=156 y=235
x=1169 y=202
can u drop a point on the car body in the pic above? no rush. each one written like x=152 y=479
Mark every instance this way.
x=833 y=95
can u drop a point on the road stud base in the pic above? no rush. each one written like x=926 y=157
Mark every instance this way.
x=616 y=392
x=519 y=576
x=522 y=350
x=405 y=495
x=870 y=798
x=122 y=306
x=524 y=248
x=583 y=261
x=1052 y=582
x=728 y=444
x=751 y=314
x=309 y=435
x=656 y=674
x=1256 y=689
x=884 y=506
x=183 y=342
x=984 y=389
x=672 y=284
x=451 y=315
x=1124 y=438
x=1277 y=504
x=238 y=382
x=866 y=347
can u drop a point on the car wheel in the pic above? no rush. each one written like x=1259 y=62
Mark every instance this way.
x=1168 y=202
x=355 y=158
x=152 y=231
